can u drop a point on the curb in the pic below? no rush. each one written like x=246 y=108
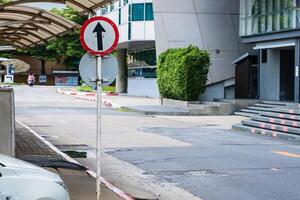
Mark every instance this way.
x=107 y=103
x=84 y=94
x=110 y=186
x=91 y=97
x=60 y=91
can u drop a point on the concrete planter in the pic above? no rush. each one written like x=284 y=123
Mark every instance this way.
x=178 y=103
x=201 y=108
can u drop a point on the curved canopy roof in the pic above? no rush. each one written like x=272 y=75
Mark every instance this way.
x=82 y=6
x=23 y=26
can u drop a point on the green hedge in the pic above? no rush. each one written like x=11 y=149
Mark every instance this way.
x=182 y=73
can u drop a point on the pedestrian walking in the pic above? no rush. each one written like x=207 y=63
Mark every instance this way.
x=31 y=80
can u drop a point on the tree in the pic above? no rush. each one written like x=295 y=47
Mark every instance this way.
x=4 y=1
x=68 y=46
x=42 y=53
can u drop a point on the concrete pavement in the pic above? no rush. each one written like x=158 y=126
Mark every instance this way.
x=80 y=183
x=167 y=157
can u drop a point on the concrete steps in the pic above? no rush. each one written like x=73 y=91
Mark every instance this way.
x=281 y=116
x=264 y=105
x=272 y=126
x=276 y=110
x=270 y=133
x=278 y=121
x=279 y=103
x=272 y=119
x=245 y=114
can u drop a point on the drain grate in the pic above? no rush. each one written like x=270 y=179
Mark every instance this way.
x=76 y=154
x=78 y=150
x=40 y=126
x=72 y=147
x=49 y=136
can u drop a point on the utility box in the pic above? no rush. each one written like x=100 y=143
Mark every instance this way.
x=7 y=122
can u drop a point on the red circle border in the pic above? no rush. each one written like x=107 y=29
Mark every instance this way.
x=85 y=46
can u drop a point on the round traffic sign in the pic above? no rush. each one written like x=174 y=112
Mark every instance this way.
x=88 y=72
x=99 y=36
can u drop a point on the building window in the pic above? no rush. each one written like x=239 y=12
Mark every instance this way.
x=112 y=7
x=129 y=31
x=104 y=11
x=262 y=16
x=120 y=16
x=129 y=12
x=141 y=12
x=264 y=56
x=149 y=12
x=138 y=12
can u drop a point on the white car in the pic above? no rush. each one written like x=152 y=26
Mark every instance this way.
x=20 y=180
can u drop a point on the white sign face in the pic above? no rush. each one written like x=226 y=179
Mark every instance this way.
x=9 y=79
x=99 y=36
x=43 y=79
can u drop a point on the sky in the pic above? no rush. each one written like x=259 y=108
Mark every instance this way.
x=46 y=6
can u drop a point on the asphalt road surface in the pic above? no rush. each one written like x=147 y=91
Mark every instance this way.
x=166 y=158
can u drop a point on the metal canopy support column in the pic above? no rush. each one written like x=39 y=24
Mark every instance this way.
x=297 y=65
x=122 y=75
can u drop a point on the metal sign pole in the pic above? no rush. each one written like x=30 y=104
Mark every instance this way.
x=99 y=92
x=103 y=32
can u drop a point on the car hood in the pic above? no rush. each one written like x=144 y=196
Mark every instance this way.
x=24 y=169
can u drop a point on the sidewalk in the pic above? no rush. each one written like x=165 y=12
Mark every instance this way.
x=142 y=105
x=152 y=106
x=81 y=184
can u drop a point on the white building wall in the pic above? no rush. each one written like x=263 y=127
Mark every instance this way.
x=140 y=30
x=143 y=87
x=209 y=24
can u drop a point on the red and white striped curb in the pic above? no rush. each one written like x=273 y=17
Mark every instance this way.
x=106 y=103
x=86 y=98
x=74 y=93
x=84 y=94
x=110 y=186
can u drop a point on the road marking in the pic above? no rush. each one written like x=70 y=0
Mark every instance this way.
x=285 y=153
x=275 y=169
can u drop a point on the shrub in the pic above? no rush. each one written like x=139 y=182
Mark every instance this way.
x=182 y=73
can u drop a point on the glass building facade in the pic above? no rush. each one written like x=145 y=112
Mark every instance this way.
x=267 y=16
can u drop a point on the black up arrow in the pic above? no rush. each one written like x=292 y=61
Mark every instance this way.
x=99 y=30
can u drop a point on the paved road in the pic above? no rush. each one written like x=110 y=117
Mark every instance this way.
x=167 y=157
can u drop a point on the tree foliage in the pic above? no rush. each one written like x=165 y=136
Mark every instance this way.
x=42 y=53
x=182 y=73
x=68 y=46
x=4 y=1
